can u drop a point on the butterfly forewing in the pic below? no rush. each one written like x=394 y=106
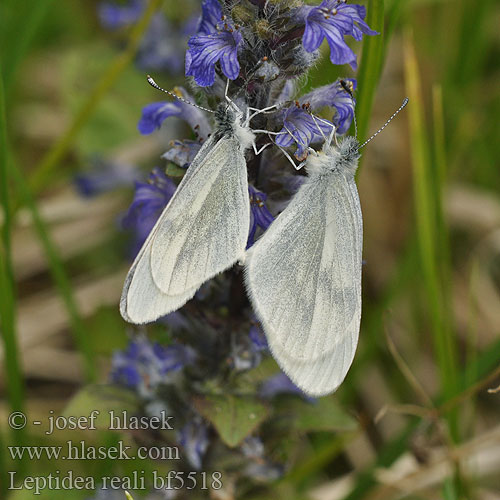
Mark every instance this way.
x=210 y=210
x=206 y=229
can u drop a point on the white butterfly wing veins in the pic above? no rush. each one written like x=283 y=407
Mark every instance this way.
x=200 y=233
x=304 y=275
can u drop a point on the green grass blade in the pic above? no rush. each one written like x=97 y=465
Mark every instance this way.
x=472 y=43
x=58 y=273
x=8 y=302
x=370 y=67
x=3 y=467
x=319 y=459
x=20 y=33
x=43 y=172
x=13 y=373
x=372 y=326
x=394 y=12
x=426 y=205
x=439 y=162
x=388 y=454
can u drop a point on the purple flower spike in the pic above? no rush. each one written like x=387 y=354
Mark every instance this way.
x=300 y=127
x=193 y=437
x=114 y=16
x=105 y=176
x=149 y=201
x=145 y=365
x=161 y=47
x=154 y=114
x=334 y=19
x=259 y=214
x=173 y=357
x=206 y=50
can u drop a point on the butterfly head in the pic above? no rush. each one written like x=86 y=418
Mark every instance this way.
x=225 y=118
x=229 y=123
x=348 y=155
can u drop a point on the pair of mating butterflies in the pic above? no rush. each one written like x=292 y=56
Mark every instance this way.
x=303 y=276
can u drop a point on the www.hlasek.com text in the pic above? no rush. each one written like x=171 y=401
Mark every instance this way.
x=79 y=450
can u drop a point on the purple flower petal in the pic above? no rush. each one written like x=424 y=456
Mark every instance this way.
x=300 y=127
x=154 y=114
x=334 y=95
x=333 y=20
x=313 y=36
x=211 y=15
x=206 y=50
x=279 y=384
x=259 y=214
x=258 y=338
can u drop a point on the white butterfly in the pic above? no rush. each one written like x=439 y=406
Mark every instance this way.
x=201 y=232
x=304 y=274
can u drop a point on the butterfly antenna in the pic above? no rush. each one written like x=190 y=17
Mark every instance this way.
x=405 y=102
x=348 y=88
x=179 y=98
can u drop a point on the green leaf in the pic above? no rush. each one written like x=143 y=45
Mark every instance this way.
x=105 y=331
x=233 y=417
x=173 y=170
x=247 y=381
x=370 y=66
x=103 y=398
x=323 y=415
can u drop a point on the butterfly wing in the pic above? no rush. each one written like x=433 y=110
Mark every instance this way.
x=304 y=280
x=205 y=228
x=142 y=299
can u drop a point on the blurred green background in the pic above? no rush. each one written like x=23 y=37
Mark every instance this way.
x=429 y=186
